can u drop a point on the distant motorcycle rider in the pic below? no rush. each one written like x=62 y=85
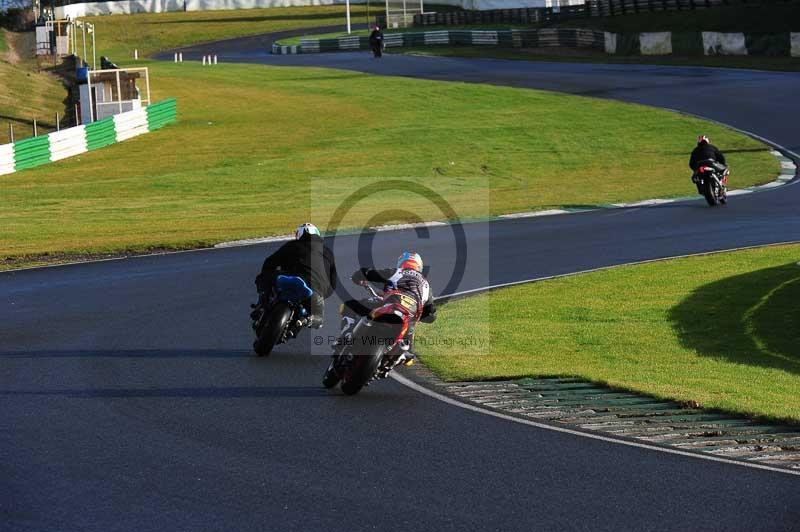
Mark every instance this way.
x=407 y=280
x=376 y=42
x=306 y=257
x=705 y=152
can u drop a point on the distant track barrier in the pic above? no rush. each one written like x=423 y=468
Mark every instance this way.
x=36 y=151
x=652 y=43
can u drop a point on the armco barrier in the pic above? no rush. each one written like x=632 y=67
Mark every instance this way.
x=648 y=43
x=37 y=151
x=512 y=38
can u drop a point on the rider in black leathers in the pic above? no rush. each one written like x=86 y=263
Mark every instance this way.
x=306 y=257
x=706 y=152
x=376 y=42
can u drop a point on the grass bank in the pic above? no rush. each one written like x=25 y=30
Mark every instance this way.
x=254 y=145
x=28 y=90
x=722 y=330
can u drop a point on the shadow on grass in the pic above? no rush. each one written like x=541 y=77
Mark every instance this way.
x=751 y=319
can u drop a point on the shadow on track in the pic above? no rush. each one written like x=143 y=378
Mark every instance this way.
x=235 y=392
x=750 y=319
x=132 y=353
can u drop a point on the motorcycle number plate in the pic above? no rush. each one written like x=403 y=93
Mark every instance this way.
x=407 y=302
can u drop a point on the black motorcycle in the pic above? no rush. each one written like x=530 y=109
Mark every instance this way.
x=281 y=316
x=712 y=182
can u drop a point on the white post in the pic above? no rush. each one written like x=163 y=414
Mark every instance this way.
x=180 y=57
x=83 y=31
x=58 y=123
x=215 y=59
x=204 y=60
x=35 y=129
x=176 y=57
x=91 y=106
x=348 y=16
x=94 y=50
x=136 y=54
x=119 y=92
x=147 y=83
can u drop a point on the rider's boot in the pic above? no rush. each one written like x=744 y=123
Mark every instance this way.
x=407 y=357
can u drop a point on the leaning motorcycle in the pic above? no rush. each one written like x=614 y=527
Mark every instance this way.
x=712 y=183
x=281 y=317
x=375 y=346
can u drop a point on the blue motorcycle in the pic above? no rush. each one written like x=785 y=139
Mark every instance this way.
x=282 y=316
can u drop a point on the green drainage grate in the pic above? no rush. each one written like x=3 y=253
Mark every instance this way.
x=592 y=407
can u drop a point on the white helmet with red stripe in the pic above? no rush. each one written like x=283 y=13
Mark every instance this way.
x=703 y=139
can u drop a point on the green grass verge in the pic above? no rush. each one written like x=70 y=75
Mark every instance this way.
x=249 y=137
x=722 y=330
x=783 y=64
x=3 y=41
x=119 y=35
x=254 y=144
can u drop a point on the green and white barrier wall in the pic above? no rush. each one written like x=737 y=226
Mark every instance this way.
x=651 y=43
x=704 y=43
x=37 y=151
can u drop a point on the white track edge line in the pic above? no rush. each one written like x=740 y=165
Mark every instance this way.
x=405 y=381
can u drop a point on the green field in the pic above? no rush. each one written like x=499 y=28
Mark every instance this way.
x=119 y=35
x=256 y=148
x=251 y=137
x=721 y=330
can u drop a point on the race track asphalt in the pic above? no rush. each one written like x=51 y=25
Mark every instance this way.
x=130 y=400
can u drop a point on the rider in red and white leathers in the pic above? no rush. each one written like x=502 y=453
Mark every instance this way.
x=407 y=279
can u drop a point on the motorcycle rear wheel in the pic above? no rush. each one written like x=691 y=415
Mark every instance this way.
x=364 y=367
x=710 y=195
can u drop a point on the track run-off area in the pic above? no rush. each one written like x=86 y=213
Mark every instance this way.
x=132 y=400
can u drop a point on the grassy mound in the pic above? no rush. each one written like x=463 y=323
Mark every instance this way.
x=722 y=330
x=28 y=91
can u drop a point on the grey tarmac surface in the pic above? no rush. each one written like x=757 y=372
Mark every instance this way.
x=131 y=400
